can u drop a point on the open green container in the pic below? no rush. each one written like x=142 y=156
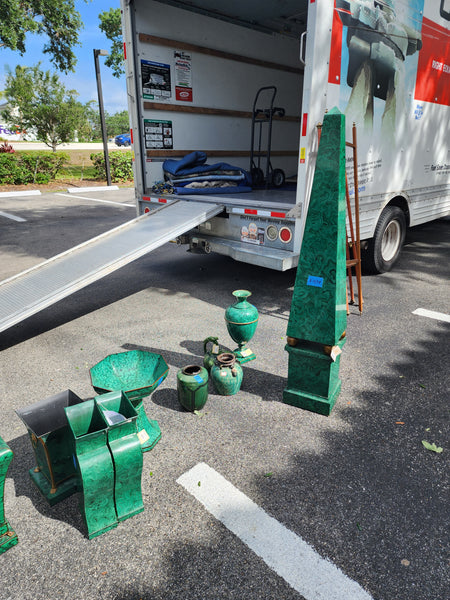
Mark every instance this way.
x=94 y=466
x=126 y=452
x=8 y=537
x=48 y=429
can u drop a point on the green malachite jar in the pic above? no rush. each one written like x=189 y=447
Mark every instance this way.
x=241 y=319
x=227 y=374
x=192 y=387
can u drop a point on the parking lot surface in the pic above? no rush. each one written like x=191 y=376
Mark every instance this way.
x=356 y=491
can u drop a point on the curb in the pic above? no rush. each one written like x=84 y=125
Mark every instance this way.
x=22 y=193
x=98 y=188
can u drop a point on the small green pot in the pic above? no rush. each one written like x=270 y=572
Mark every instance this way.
x=227 y=375
x=192 y=387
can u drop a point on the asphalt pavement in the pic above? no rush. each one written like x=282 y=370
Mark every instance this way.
x=356 y=491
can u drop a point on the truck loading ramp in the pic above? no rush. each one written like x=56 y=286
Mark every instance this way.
x=41 y=286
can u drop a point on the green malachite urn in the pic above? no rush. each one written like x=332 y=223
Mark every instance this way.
x=227 y=374
x=241 y=319
x=192 y=387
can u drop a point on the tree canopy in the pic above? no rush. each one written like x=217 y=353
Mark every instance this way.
x=39 y=102
x=57 y=19
x=111 y=25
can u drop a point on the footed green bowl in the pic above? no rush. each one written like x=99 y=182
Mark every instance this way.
x=136 y=372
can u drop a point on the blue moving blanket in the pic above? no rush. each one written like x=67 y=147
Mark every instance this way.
x=191 y=175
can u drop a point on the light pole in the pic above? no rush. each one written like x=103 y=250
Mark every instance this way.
x=98 y=53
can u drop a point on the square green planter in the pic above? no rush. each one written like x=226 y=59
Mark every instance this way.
x=8 y=537
x=94 y=466
x=51 y=439
x=126 y=452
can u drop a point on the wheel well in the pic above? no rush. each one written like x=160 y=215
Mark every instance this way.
x=401 y=202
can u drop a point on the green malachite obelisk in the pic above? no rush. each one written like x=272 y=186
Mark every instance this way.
x=318 y=317
x=8 y=537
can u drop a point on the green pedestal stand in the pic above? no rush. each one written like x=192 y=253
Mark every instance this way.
x=94 y=466
x=8 y=537
x=318 y=317
x=126 y=453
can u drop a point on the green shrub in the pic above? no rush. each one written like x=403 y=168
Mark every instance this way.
x=31 y=167
x=12 y=171
x=120 y=163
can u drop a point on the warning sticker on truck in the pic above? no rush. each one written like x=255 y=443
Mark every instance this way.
x=158 y=134
x=155 y=80
x=183 y=76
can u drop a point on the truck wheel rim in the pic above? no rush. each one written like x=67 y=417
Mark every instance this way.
x=390 y=241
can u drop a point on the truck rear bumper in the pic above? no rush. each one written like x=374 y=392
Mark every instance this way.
x=271 y=258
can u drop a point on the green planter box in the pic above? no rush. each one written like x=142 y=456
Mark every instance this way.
x=51 y=439
x=126 y=452
x=94 y=466
x=8 y=537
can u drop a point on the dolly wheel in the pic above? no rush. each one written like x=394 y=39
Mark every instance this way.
x=278 y=178
x=257 y=176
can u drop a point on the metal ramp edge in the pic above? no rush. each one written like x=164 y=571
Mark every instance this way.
x=41 y=286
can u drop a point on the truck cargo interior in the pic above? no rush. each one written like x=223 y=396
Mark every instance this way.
x=240 y=99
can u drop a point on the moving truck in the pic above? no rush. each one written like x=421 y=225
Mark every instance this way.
x=244 y=84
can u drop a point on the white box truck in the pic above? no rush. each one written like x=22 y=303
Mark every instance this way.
x=195 y=67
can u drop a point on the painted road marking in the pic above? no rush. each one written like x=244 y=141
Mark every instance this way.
x=431 y=314
x=95 y=199
x=13 y=217
x=93 y=188
x=20 y=193
x=281 y=549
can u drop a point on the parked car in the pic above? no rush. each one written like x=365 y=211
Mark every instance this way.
x=124 y=139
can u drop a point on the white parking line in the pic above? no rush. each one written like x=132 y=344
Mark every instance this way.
x=282 y=550
x=13 y=217
x=20 y=193
x=95 y=199
x=431 y=314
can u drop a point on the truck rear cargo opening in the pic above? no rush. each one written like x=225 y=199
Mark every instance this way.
x=195 y=67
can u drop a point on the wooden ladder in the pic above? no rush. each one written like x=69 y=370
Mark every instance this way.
x=353 y=246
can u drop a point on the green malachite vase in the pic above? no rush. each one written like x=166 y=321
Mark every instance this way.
x=241 y=319
x=192 y=387
x=8 y=537
x=227 y=374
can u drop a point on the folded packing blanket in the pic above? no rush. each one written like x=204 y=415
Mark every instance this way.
x=192 y=169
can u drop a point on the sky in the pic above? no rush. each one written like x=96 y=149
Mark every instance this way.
x=83 y=79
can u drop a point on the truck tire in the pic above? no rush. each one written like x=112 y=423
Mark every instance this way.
x=384 y=248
